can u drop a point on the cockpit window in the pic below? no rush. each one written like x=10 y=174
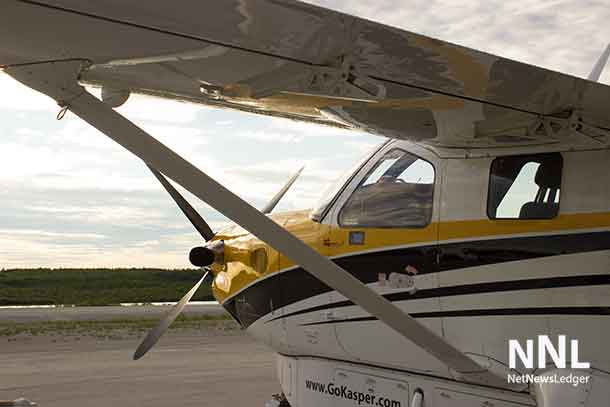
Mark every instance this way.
x=396 y=193
x=331 y=192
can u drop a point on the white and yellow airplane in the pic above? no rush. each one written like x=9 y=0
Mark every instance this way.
x=484 y=219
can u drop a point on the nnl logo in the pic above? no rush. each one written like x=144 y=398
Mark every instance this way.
x=545 y=346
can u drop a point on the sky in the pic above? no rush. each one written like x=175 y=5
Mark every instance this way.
x=72 y=198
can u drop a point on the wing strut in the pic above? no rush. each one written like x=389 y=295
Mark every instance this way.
x=59 y=81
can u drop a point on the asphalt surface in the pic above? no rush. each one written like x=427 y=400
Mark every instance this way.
x=24 y=315
x=186 y=368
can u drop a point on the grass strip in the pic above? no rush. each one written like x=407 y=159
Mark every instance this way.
x=91 y=287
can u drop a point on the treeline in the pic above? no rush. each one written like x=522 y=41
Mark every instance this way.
x=97 y=286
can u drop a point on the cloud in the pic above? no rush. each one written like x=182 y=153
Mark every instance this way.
x=271 y=137
x=43 y=234
x=55 y=253
x=308 y=130
x=72 y=197
x=23 y=98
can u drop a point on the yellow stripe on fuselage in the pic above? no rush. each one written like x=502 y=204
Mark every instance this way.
x=334 y=241
x=472 y=229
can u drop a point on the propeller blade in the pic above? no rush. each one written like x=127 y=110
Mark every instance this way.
x=196 y=220
x=276 y=199
x=153 y=336
x=600 y=65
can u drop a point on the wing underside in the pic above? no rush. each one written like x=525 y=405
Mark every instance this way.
x=291 y=59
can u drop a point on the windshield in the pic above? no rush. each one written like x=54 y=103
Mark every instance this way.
x=397 y=192
x=334 y=188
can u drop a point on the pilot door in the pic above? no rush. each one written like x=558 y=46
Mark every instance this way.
x=300 y=326
x=383 y=230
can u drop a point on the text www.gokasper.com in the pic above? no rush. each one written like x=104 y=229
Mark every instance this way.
x=346 y=393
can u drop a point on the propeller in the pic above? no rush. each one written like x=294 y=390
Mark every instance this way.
x=153 y=336
x=276 y=199
x=199 y=256
x=201 y=225
x=598 y=69
x=197 y=221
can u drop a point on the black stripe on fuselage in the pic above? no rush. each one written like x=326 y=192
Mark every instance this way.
x=596 y=311
x=282 y=289
x=479 y=288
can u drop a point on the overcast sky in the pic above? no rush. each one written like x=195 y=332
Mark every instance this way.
x=71 y=197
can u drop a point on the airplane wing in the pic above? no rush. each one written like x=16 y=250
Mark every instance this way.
x=291 y=59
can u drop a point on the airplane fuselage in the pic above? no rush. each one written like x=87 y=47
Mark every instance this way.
x=538 y=266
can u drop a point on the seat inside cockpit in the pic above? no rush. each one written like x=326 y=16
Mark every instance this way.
x=525 y=187
x=546 y=203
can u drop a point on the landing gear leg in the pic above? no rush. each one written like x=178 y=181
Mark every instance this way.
x=278 y=400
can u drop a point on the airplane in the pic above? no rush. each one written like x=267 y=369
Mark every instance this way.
x=482 y=222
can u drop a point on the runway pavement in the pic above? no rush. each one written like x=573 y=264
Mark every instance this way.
x=187 y=368
x=39 y=314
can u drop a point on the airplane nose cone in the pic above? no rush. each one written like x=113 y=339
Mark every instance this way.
x=201 y=256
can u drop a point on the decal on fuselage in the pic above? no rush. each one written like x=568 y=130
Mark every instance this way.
x=344 y=392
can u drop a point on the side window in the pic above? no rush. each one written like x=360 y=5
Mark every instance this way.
x=525 y=187
x=396 y=193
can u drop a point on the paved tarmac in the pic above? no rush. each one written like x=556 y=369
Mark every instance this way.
x=186 y=368
x=23 y=315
